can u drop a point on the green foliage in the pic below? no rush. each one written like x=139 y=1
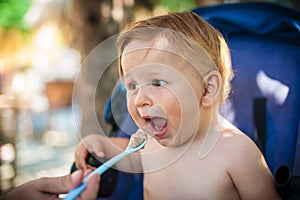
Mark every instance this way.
x=176 y=5
x=12 y=13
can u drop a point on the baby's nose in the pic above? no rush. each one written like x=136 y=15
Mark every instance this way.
x=143 y=97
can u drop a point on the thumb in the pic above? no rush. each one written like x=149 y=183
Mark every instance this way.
x=63 y=184
x=76 y=178
x=98 y=150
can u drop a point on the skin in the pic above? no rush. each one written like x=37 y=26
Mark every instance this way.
x=51 y=188
x=224 y=162
x=101 y=146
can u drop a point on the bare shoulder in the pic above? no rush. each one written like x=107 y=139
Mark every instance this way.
x=240 y=149
x=246 y=165
x=238 y=143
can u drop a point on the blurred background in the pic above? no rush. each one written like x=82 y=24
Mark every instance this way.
x=42 y=46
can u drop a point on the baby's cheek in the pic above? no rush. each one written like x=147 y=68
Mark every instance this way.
x=132 y=110
x=173 y=110
x=130 y=102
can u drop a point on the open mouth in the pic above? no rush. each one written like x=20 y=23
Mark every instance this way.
x=158 y=125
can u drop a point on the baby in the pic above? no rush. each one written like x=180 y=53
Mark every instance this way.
x=176 y=69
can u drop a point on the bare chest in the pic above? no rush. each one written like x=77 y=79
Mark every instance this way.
x=203 y=179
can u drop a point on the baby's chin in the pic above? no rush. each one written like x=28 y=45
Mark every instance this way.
x=174 y=141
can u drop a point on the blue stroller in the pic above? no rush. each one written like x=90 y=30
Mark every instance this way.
x=264 y=39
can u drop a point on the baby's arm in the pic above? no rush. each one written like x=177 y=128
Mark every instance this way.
x=101 y=146
x=249 y=171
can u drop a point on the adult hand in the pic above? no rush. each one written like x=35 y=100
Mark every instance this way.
x=51 y=188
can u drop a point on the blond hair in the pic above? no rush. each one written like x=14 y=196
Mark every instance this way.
x=190 y=25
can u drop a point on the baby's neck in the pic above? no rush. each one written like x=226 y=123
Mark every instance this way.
x=208 y=134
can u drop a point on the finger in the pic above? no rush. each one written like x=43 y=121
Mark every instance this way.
x=98 y=150
x=92 y=188
x=81 y=163
x=77 y=177
x=87 y=172
x=89 y=167
x=80 y=157
x=60 y=185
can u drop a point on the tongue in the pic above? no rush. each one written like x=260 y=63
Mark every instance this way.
x=158 y=123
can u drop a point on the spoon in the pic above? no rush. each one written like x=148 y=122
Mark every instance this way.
x=137 y=141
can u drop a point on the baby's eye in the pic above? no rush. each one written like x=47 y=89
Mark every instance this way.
x=132 y=86
x=158 y=83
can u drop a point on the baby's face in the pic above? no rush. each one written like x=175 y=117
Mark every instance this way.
x=163 y=93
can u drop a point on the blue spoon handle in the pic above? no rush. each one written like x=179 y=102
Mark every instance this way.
x=105 y=166
x=74 y=193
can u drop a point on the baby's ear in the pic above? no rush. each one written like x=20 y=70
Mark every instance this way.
x=212 y=88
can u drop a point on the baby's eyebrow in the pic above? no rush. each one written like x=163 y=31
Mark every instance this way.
x=149 y=73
